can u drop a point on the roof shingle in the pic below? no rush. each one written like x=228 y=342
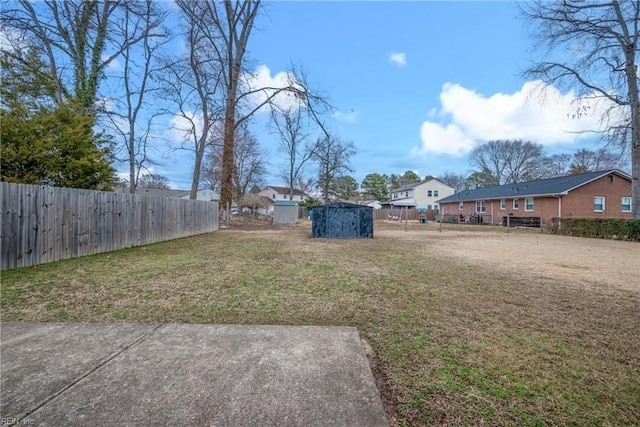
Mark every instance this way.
x=543 y=187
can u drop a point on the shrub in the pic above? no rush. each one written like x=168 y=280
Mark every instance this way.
x=604 y=228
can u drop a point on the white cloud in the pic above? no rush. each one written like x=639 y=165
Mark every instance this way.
x=537 y=112
x=350 y=117
x=106 y=103
x=114 y=64
x=182 y=127
x=398 y=58
x=265 y=85
x=449 y=139
x=12 y=40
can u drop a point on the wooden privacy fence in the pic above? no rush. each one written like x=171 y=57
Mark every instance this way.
x=45 y=224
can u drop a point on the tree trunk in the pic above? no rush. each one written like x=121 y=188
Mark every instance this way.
x=634 y=101
x=635 y=156
x=228 y=142
x=132 y=160
x=195 y=183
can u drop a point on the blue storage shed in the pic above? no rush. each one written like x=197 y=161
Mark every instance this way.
x=342 y=221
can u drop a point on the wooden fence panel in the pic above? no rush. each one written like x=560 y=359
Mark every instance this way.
x=44 y=224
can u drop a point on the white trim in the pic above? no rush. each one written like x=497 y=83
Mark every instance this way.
x=515 y=208
x=630 y=203
x=525 y=204
x=604 y=205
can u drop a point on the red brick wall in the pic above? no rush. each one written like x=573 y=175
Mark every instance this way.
x=578 y=203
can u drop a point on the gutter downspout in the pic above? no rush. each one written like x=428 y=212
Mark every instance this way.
x=559 y=212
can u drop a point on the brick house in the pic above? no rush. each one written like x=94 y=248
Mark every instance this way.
x=601 y=194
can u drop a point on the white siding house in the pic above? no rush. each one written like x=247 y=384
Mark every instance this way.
x=282 y=193
x=421 y=195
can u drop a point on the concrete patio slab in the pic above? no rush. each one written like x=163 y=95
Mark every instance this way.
x=216 y=375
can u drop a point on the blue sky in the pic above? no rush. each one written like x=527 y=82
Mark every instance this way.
x=417 y=84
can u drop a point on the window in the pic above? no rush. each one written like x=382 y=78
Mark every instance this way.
x=435 y=207
x=516 y=204
x=274 y=196
x=429 y=193
x=480 y=207
x=435 y=193
x=406 y=194
x=428 y=207
x=503 y=204
x=598 y=204
x=626 y=204
x=528 y=204
x=460 y=205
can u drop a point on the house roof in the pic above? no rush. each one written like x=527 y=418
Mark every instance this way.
x=414 y=185
x=286 y=190
x=544 y=187
x=158 y=192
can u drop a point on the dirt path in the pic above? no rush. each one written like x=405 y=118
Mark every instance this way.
x=570 y=261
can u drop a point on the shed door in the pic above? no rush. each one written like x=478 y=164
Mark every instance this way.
x=342 y=223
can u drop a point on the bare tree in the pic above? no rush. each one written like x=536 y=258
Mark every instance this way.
x=556 y=165
x=603 y=40
x=585 y=160
x=509 y=161
x=333 y=158
x=250 y=163
x=306 y=185
x=230 y=24
x=453 y=180
x=195 y=85
x=290 y=125
x=74 y=32
x=153 y=180
x=227 y=27
x=140 y=65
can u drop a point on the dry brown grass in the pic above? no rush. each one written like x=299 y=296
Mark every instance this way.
x=470 y=326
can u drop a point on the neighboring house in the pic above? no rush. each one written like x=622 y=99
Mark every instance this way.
x=159 y=192
x=276 y=193
x=420 y=195
x=373 y=204
x=282 y=193
x=602 y=194
x=205 y=194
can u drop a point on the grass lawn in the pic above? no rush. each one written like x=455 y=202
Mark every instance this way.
x=455 y=342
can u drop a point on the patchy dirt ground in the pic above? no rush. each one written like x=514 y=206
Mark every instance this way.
x=569 y=261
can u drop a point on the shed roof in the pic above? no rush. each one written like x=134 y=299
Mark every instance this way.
x=544 y=187
x=286 y=203
x=346 y=205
